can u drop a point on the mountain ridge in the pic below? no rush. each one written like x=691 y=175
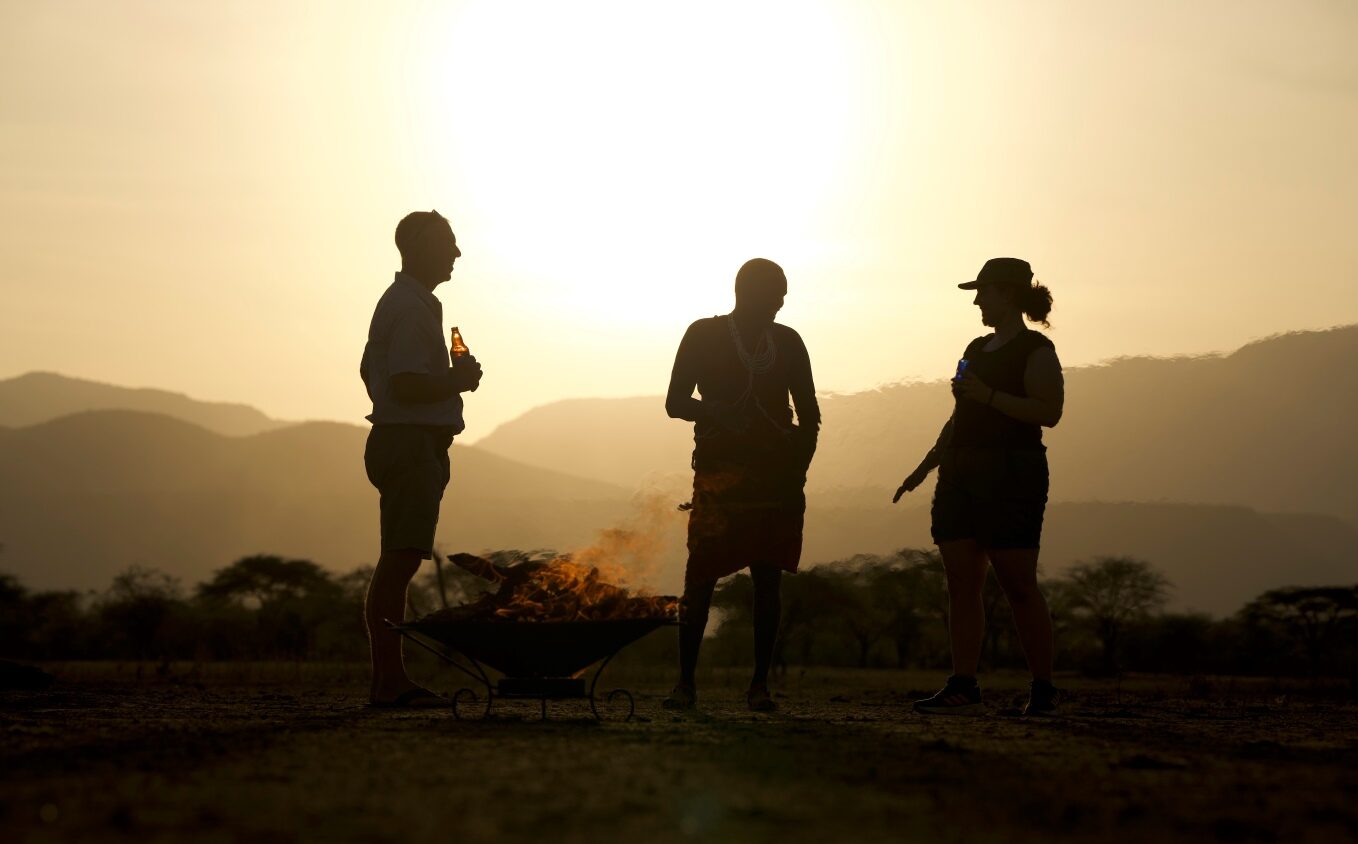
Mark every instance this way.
x=1265 y=426
x=1228 y=472
x=36 y=397
x=84 y=497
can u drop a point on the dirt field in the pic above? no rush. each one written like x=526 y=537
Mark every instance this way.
x=277 y=753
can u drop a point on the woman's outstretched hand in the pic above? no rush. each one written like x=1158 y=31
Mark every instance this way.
x=909 y=484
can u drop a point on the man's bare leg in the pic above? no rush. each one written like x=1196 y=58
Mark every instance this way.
x=386 y=600
x=697 y=603
x=768 y=612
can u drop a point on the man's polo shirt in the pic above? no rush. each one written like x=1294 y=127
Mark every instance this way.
x=406 y=335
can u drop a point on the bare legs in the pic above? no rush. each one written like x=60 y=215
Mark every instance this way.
x=696 y=604
x=386 y=600
x=1017 y=573
x=965 y=563
x=768 y=610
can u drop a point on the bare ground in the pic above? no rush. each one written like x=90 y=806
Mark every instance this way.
x=283 y=753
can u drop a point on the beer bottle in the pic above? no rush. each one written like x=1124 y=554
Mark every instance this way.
x=459 y=348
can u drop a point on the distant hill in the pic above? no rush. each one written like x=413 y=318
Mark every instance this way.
x=42 y=396
x=84 y=496
x=1232 y=474
x=1269 y=426
x=620 y=441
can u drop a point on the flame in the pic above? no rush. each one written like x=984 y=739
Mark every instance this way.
x=560 y=589
x=593 y=583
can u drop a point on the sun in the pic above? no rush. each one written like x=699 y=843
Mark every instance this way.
x=590 y=144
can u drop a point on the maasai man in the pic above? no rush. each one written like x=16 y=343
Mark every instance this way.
x=749 y=463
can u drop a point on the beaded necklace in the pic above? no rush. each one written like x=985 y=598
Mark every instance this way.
x=759 y=362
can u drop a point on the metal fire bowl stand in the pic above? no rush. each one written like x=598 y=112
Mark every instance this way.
x=539 y=660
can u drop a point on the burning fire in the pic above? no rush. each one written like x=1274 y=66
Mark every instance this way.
x=554 y=590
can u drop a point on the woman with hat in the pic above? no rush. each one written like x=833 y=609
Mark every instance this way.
x=992 y=481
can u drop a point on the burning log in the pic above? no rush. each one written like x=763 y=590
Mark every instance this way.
x=556 y=590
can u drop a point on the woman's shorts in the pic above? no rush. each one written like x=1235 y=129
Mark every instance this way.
x=409 y=466
x=995 y=496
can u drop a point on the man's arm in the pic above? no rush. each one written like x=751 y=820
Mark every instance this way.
x=802 y=386
x=412 y=378
x=679 y=400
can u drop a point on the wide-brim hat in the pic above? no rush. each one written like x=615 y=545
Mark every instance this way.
x=1008 y=272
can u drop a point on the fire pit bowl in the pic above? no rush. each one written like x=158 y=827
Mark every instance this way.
x=538 y=648
x=539 y=659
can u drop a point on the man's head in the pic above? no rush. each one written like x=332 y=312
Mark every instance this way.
x=428 y=247
x=760 y=289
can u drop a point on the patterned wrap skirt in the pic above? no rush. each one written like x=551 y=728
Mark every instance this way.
x=745 y=512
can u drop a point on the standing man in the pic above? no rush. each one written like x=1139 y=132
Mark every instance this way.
x=749 y=463
x=417 y=410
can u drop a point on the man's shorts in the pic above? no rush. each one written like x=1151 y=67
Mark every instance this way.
x=996 y=496
x=409 y=466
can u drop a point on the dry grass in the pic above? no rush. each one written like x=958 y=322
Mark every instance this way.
x=283 y=752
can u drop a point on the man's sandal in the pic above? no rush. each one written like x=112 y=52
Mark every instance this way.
x=681 y=697
x=759 y=699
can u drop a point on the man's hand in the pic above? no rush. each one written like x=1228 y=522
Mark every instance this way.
x=972 y=388
x=910 y=484
x=467 y=374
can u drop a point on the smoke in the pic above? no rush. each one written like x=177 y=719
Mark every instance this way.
x=647 y=550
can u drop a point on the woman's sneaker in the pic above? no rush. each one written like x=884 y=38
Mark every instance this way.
x=1041 y=699
x=961 y=696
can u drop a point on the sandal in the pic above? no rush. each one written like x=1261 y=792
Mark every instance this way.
x=681 y=697
x=760 y=700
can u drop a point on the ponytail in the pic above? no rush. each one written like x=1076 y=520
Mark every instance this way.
x=1036 y=303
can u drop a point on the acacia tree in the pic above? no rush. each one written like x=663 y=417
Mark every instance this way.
x=1316 y=618
x=808 y=603
x=1111 y=592
x=138 y=609
x=858 y=594
x=13 y=613
x=905 y=589
x=291 y=599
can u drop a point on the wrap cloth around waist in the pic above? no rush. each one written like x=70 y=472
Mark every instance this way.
x=747 y=512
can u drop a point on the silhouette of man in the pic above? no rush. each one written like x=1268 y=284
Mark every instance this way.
x=417 y=410
x=749 y=463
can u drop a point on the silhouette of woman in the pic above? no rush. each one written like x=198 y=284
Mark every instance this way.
x=749 y=463
x=992 y=481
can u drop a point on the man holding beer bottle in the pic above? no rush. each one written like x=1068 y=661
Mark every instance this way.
x=415 y=384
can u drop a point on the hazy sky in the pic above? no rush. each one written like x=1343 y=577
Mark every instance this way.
x=201 y=197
